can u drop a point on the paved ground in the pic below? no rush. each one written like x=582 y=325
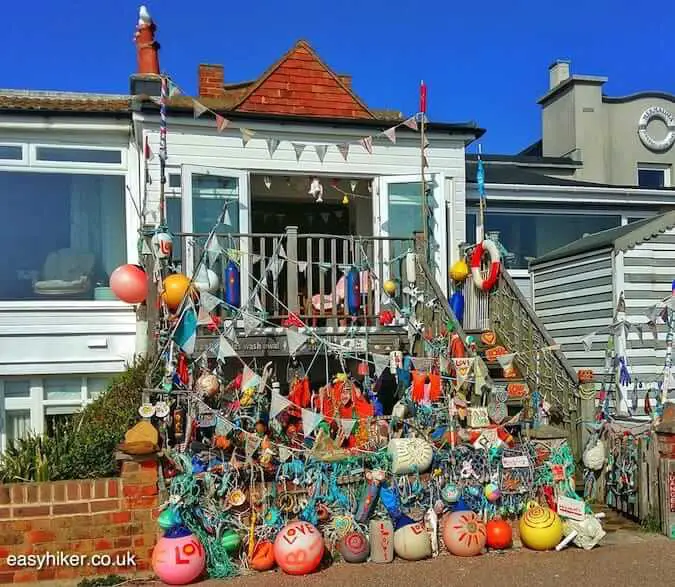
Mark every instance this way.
x=625 y=559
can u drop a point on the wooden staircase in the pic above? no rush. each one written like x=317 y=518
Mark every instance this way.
x=508 y=314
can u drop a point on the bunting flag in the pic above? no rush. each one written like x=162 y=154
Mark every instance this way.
x=221 y=123
x=284 y=453
x=302 y=266
x=324 y=267
x=411 y=123
x=173 y=89
x=367 y=144
x=272 y=146
x=281 y=252
x=463 y=366
x=390 y=133
x=186 y=332
x=298 y=148
x=423 y=363
x=480 y=178
x=227 y=221
x=246 y=135
x=249 y=379
x=278 y=404
x=347 y=425
x=198 y=109
x=587 y=341
x=506 y=361
x=321 y=151
x=251 y=444
x=223 y=427
x=344 y=150
x=310 y=420
x=213 y=250
x=295 y=341
x=251 y=322
x=203 y=317
x=225 y=349
x=208 y=301
x=381 y=363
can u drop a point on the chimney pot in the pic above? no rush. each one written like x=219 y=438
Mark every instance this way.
x=147 y=49
x=558 y=72
x=211 y=80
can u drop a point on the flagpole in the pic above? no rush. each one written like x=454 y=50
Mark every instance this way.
x=423 y=183
x=480 y=231
x=162 y=148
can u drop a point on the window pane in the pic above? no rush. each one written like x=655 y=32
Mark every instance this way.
x=11 y=152
x=61 y=388
x=17 y=388
x=210 y=193
x=96 y=386
x=17 y=424
x=635 y=219
x=78 y=155
x=67 y=234
x=527 y=236
x=651 y=178
x=174 y=180
x=174 y=216
x=56 y=422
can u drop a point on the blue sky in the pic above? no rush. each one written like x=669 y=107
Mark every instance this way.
x=484 y=61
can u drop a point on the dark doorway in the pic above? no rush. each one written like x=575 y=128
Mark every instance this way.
x=272 y=217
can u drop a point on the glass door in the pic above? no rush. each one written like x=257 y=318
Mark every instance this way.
x=211 y=195
x=399 y=214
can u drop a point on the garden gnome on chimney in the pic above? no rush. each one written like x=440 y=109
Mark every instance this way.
x=147 y=49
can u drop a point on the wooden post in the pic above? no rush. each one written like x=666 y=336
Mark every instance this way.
x=292 y=299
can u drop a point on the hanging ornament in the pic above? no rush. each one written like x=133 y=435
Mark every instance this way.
x=316 y=190
x=345 y=200
x=162 y=244
x=353 y=184
x=268 y=181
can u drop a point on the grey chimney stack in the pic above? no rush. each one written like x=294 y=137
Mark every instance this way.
x=558 y=72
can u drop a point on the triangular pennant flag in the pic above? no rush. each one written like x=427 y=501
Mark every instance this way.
x=255 y=258
x=324 y=266
x=223 y=426
x=278 y=404
x=272 y=146
x=295 y=341
x=275 y=267
x=423 y=363
x=246 y=135
x=463 y=367
x=173 y=89
x=251 y=444
x=367 y=144
x=281 y=252
x=310 y=420
x=225 y=349
x=325 y=216
x=208 y=301
x=298 y=148
x=344 y=150
x=227 y=221
x=148 y=154
x=506 y=361
x=249 y=379
x=587 y=341
x=347 y=425
x=221 y=123
x=186 y=332
x=390 y=133
x=321 y=151
x=213 y=250
x=411 y=123
x=257 y=304
x=302 y=266
x=381 y=362
x=284 y=453
x=198 y=109
x=203 y=317
x=251 y=322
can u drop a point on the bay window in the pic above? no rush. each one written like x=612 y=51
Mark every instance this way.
x=65 y=231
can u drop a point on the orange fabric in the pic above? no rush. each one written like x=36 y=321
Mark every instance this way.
x=456 y=347
x=357 y=408
x=300 y=393
x=419 y=381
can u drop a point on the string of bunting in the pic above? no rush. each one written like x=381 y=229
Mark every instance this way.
x=273 y=143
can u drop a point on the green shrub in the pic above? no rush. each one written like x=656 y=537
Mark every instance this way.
x=83 y=446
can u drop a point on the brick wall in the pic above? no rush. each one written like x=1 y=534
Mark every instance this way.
x=94 y=516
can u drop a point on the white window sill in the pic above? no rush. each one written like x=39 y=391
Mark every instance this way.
x=519 y=273
x=64 y=305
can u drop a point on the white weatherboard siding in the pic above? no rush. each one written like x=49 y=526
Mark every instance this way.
x=52 y=338
x=199 y=143
x=649 y=270
x=573 y=297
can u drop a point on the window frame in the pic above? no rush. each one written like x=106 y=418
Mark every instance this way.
x=37 y=405
x=666 y=169
x=33 y=160
x=15 y=162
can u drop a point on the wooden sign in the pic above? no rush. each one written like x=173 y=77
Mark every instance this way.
x=575 y=509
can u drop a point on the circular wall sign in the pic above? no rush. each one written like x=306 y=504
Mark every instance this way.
x=657 y=113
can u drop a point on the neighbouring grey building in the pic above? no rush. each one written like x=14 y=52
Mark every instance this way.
x=602 y=162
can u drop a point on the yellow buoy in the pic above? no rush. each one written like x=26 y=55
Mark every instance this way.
x=459 y=270
x=175 y=289
x=540 y=527
x=389 y=287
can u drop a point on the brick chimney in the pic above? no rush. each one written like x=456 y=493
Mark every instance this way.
x=345 y=79
x=146 y=80
x=211 y=80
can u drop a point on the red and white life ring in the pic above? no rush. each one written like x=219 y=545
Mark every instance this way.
x=489 y=247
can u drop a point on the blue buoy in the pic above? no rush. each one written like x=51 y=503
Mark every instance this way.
x=232 y=285
x=457 y=305
x=353 y=292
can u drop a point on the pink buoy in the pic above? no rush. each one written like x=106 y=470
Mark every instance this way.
x=130 y=284
x=178 y=560
x=464 y=533
x=299 y=548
